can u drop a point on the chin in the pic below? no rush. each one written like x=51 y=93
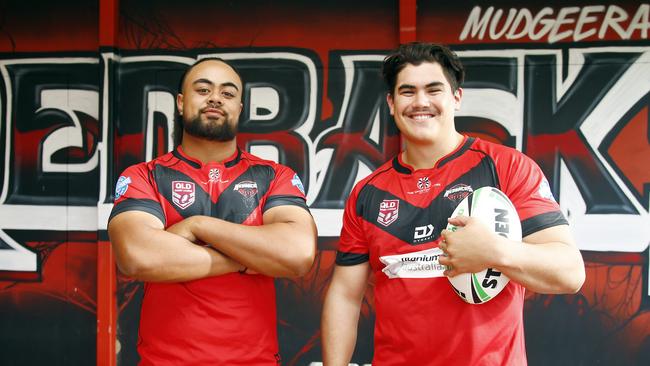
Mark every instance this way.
x=422 y=136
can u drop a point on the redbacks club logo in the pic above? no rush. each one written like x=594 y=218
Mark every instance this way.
x=458 y=192
x=183 y=193
x=388 y=212
x=248 y=189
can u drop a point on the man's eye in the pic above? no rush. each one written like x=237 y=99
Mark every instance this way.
x=228 y=94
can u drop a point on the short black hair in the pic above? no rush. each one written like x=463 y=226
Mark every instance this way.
x=177 y=134
x=415 y=53
x=187 y=71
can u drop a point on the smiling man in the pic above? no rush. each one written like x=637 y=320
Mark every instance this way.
x=400 y=211
x=207 y=227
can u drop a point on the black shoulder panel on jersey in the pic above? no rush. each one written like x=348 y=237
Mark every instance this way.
x=543 y=221
x=133 y=204
x=350 y=259
x=242 y=197
x=492 y=168
x=236 y=202
x=284 y=200
x=165 y=176
x=410 y=218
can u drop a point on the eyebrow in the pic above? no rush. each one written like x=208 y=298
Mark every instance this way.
x=206 y=81
x=430 y=85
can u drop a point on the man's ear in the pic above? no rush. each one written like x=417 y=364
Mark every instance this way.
x=391 y=103
x=179 y=103
x=458 y=97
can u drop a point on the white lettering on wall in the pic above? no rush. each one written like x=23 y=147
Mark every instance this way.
x=554 y=25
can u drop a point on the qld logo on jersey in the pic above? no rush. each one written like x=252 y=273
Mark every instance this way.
x=183 y=193
x=388 y=212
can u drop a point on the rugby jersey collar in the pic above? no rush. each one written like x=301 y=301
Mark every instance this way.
x=195 y=163
x=404 y=168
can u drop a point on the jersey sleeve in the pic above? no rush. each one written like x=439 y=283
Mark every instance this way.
x=353 y=245
x=531 y=194
x=136 y=191
x=286 y=189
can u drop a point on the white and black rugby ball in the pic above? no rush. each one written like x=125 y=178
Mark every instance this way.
x=494 y=209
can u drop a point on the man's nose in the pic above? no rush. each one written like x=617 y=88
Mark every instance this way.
x=421 y=99
x=215 y=98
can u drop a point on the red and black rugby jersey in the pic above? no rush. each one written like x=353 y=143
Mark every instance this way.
x=228 y=319
x=396 y=211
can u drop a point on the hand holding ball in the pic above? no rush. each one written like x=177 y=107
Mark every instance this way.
x=493 y=208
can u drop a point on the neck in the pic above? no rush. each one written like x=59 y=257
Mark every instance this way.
x=208 y=151
x=426 y=156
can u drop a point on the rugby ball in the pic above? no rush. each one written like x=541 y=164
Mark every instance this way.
x=495 y=210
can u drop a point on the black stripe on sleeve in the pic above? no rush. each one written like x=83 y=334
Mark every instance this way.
x=350 y=259
x=145 y=205
x=280 y=200
x=541 y=222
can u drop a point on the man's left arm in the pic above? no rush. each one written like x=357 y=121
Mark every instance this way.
x=284 y=246
x=546 y=262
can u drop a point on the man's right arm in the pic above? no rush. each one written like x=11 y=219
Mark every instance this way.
x=341 y=312
x=145 y=251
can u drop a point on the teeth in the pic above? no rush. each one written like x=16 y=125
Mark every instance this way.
x=422 y=117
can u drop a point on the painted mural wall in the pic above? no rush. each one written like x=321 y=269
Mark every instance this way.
x=568 y=84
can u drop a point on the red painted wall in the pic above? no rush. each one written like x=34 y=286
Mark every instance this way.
x=81 y=82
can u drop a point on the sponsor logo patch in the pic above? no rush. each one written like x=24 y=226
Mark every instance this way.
x=183 y=193
x=422 y=234
x=424 y=186
x=214 y=175
x=422 y=264
x=544 y=190
x=121 y=186
x=297 y=183
x=424 y=183
x=388 y=212
x=458 y=192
